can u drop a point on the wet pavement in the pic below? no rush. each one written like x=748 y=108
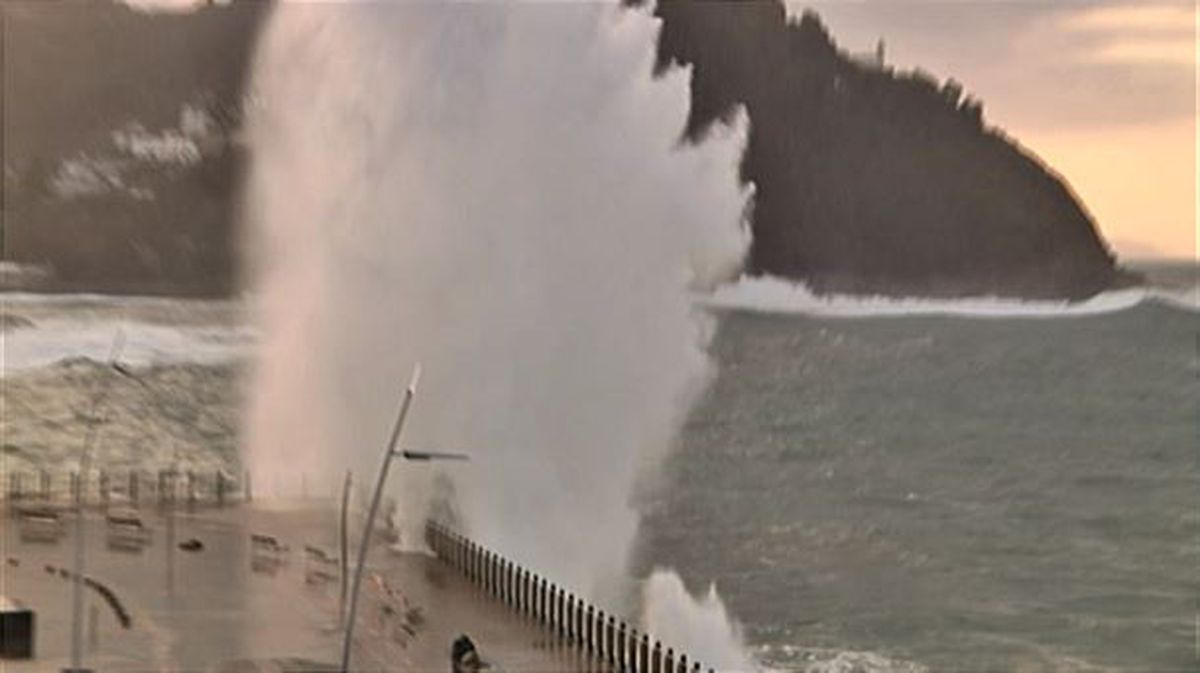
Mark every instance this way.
x=234 y=602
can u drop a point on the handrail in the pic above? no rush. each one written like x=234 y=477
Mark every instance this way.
x=189 y=487
x=606 y=638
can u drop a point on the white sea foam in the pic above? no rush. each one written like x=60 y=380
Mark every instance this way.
x=51 y=341
x=1180 y=298
x=495 y=190
x=799 y=659
x=698 y=626
x=19 y=299
x=775 y=295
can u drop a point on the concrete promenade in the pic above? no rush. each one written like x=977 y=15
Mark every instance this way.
x=229 y=608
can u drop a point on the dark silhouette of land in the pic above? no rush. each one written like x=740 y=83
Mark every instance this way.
x=872 y=181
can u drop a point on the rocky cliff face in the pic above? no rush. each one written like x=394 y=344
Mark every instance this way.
x=872 y=181
x=122 y=160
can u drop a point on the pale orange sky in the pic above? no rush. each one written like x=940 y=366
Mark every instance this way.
x=1138 y=181
x=1104 y=92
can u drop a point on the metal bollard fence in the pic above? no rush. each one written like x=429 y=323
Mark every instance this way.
x=610 y=641
x=100 y=487
x=544 y=601
x=531 y=597
x=515 y=599
x=469 y=562
x=580 y=624
x=478 y=565
x=560 y=612
x=632 y=648
x=528 y=594
x=510 y=583
x=570 y=621
x=519 y=591
x=589 y=630
x=505 y=581
x=522 y=602
x=619 y=655
x=602 y=636
x=471 y=556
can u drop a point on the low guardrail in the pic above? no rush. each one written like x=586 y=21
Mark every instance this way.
x=135 y=487
x=605 y=637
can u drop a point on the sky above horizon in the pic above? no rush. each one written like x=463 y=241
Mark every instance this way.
x=1104 y=92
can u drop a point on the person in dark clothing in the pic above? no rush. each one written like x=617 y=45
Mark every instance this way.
x=464 y=658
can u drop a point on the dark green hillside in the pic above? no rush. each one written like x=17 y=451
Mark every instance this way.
x=872 y=181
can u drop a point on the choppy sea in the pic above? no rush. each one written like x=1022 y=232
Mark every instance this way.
x=956 y=486
x=871 y=485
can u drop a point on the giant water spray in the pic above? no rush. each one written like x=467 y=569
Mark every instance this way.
x=496 y=191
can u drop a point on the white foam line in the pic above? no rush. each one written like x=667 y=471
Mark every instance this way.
x=53 y=298
x=775 y=295
x=55 y=340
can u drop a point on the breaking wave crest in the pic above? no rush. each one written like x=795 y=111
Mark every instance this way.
x=44 y=330
x=697 y=625
x=701 y=626
x=775 y=295
x=145 y=345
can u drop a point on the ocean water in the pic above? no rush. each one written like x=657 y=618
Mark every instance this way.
x=184 y=405
x=871 y=486
x=947 y=492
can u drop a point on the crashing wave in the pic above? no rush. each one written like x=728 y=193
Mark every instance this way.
x=775 y=295
x=700 y=626
x=64 y=341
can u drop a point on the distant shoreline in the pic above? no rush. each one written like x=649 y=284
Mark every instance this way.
x=1158 y=271
x=1141 y=262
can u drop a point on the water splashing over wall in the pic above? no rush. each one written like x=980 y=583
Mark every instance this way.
x=496 y=191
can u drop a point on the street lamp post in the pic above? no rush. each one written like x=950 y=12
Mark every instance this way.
x=344 y=550
x=85 y=465
x=389 y=453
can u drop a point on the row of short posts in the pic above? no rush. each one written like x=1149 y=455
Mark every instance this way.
x=215 y=487
x=604 y=637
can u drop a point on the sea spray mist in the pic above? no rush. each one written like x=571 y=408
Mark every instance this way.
x=496 y=191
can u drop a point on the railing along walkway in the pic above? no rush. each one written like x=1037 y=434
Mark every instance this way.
x=606 y=638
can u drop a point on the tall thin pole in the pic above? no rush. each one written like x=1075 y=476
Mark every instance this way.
x=85 y=464
x=344 y=550
x=3 y=132
x=169 y=501
x=389 y=452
